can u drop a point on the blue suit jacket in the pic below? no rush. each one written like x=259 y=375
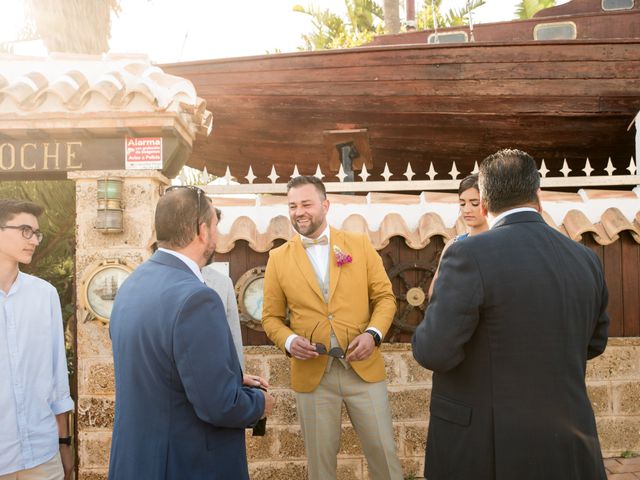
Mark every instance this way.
x=181 y=408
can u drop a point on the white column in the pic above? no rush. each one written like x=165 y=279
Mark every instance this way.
x=637 y=140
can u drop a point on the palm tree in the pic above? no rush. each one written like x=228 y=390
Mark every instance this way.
x=452 y=18
x=364 y=19
x=391 y=16
x=528 y=8
x=327 y=27
x=364 y=15
x=80 y=26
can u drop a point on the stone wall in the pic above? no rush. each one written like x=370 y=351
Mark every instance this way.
x=613 y=381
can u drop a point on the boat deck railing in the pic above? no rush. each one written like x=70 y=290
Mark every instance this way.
x=566 y=177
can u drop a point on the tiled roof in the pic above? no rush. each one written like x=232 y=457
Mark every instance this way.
x=81 y=86
x=601 y=214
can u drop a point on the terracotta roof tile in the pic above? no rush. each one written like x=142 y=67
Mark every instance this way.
x=82 y=85
x=260 y=222
x=614 y=222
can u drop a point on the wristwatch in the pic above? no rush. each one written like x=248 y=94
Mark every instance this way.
x=64 y=440
x=376 y=338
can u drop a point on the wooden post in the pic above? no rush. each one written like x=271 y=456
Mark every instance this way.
x=411 y=14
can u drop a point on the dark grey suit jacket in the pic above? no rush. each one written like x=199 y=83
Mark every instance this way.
x=516 y=312
x=181 y=409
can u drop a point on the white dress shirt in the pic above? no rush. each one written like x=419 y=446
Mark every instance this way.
x=495 y=220
x=319 y=258
x=193 y=266
x=34 y=382
x=319 y=254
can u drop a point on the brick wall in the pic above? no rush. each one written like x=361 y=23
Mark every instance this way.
x=613 y=381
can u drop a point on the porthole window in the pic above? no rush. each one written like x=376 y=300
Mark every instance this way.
x=608 y=5
x=555 y=31
x=448 y=37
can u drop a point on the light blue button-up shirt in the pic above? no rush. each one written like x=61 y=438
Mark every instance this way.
x=34 y=384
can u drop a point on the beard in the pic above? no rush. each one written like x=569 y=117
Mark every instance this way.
x=209 y=254
x=309 y=228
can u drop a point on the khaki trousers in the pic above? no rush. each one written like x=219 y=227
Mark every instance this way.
x=51 y=470
x=368 y=408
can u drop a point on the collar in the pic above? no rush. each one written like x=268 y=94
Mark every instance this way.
x=509 y=212
x=326 y=231
x=15 y=286
x=193 y=266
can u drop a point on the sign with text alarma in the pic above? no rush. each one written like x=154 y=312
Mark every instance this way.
x=143 y=153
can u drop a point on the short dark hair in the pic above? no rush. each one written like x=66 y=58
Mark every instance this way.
x=470 y=181
x=308 y=180
x=176 y=213
x=218 y=213
x=9 y=208
x=508 y=178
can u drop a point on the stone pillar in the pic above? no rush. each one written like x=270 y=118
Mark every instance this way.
x=94 y=361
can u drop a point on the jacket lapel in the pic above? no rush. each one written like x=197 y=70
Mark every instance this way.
x=304 y=265
x=337 y=238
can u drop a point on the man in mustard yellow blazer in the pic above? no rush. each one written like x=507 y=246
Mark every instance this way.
x=340 y=306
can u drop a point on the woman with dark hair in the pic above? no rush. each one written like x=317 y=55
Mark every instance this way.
x=475 y=221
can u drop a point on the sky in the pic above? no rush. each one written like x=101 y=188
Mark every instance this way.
x=182 y=30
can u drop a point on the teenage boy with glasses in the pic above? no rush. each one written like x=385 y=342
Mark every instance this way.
x=34 y=386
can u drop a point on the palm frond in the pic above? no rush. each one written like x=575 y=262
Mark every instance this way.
x=80 y=26
x=528 y=8
x=460 y=16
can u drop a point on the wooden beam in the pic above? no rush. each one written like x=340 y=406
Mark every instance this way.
x=420 y=185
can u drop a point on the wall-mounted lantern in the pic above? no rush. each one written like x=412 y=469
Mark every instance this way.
x=110 y=215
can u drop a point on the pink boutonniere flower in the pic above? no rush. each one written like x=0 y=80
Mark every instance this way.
x=341 y=257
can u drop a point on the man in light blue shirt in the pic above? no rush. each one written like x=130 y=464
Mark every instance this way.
x=34 y=385
x=223 y=286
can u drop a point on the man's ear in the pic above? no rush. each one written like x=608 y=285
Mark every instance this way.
x=201 y=231
x=483 y=208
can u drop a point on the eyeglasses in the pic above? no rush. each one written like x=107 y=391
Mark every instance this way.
x=27 y=231
x=199 y=193
x=321 y=349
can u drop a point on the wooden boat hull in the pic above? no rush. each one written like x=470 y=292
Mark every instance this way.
x=420 y=104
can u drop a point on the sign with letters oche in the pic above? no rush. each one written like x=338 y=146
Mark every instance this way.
x=143 y=153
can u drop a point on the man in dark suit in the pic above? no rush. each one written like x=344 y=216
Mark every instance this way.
x=181 y=408
x=516 y=313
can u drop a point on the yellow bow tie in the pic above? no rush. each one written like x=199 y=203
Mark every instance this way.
x=309 y=242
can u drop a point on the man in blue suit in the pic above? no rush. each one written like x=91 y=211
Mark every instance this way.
x=181 y=407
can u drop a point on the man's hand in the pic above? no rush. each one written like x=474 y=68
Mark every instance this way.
x=360 y=347
x=269 y=402
x=66 y=455
x=254 y=381
x=302 y=349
